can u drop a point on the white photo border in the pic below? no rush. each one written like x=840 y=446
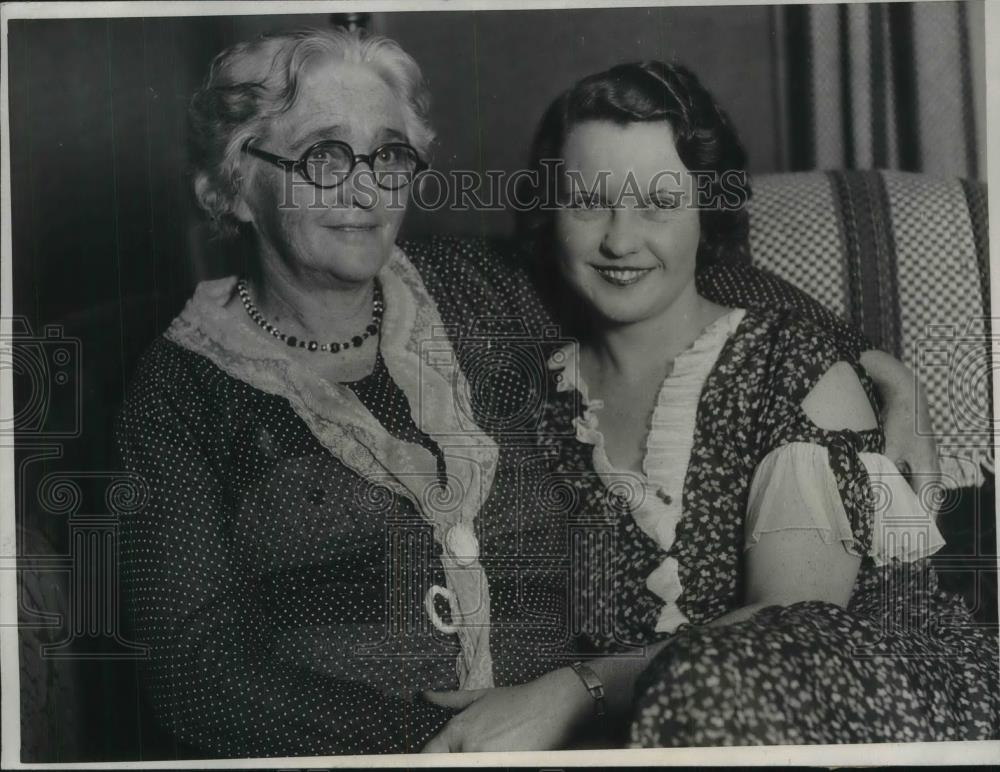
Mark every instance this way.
x=911 y=754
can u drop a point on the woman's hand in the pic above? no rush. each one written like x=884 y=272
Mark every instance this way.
x=536 y=716
x=905 y=410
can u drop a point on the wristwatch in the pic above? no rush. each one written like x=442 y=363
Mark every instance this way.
x=593 y=684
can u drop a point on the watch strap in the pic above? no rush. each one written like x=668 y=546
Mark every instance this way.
x=594 y=685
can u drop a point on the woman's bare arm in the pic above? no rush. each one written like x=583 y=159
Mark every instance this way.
x=782 y=568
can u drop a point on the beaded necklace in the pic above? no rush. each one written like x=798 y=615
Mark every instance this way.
x=378 y=308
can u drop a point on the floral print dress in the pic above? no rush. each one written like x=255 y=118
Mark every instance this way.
x=731 y=454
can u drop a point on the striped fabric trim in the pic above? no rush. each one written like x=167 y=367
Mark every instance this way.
x=870 y=257
x=904 y=257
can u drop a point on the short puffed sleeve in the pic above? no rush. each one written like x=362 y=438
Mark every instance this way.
x=859 y=499
x=836 y=481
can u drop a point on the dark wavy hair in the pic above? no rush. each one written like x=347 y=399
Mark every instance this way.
x=643 y=92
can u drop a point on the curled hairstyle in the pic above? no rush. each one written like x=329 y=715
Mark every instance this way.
x=706 y=141
x=250 y=83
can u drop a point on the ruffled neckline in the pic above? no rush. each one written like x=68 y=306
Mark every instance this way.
x=706 y=347
x=654 y=497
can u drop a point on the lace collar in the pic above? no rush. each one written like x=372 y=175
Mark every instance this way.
x=422 y=362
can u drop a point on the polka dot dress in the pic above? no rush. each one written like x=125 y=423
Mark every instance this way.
x=282 y=595
x=384 y=399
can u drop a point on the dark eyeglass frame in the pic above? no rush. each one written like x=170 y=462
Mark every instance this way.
x=301 y=166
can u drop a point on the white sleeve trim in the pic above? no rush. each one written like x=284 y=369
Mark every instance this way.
x=794 y=489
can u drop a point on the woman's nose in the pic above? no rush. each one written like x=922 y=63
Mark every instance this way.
x=359 y=190
x=620 y=238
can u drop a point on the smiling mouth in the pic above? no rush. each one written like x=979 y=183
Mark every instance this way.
x=622 y=277
x=352 y=228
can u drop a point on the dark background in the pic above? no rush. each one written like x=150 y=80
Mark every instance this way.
x=107 y=242
x=107 y=239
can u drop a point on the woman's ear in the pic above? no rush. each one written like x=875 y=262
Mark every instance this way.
x=209 y=198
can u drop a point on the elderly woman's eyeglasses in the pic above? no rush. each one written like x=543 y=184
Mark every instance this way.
x=329 y=163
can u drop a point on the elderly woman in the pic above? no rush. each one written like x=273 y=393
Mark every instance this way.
x=337 y=521
x=777 y=599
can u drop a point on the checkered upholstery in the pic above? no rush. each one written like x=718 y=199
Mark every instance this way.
x=904 y=257
x=796 y=234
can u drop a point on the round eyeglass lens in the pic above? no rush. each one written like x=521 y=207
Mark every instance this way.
x=329 y=164
x=394 y=166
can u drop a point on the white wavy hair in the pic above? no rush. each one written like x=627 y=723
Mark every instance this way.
x=251 y=82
